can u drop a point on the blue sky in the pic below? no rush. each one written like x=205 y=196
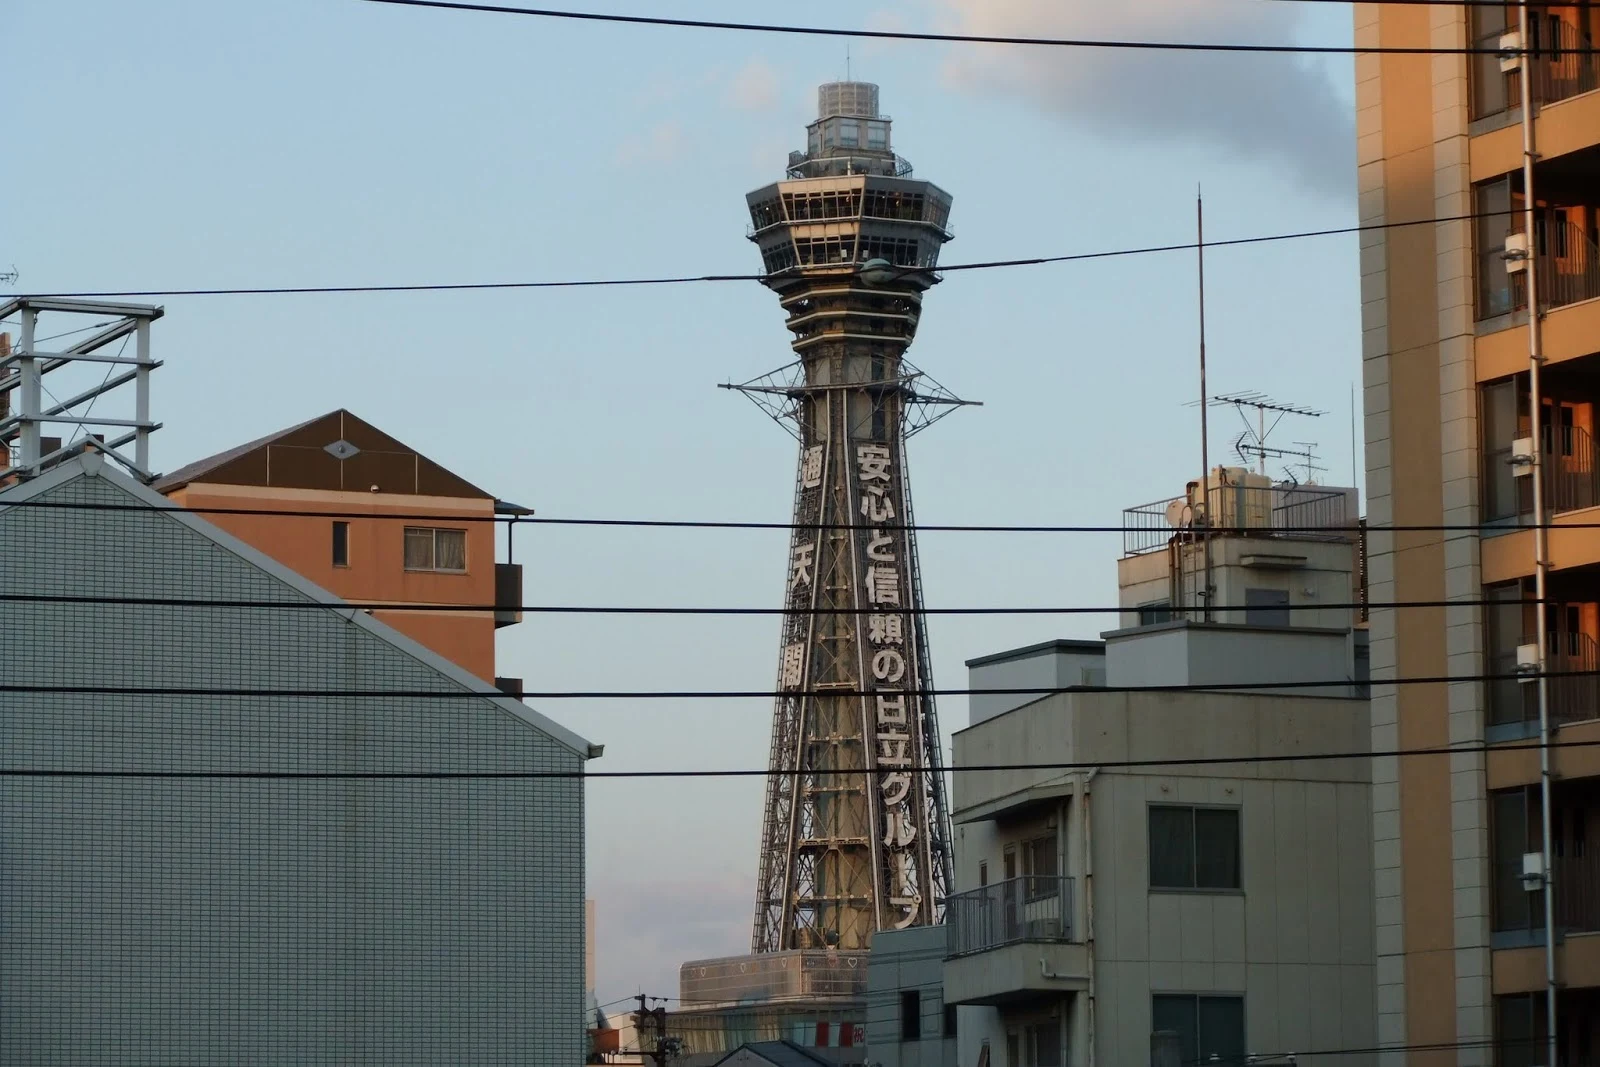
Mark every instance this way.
x=179 y=144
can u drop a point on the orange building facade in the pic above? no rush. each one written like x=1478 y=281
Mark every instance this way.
x=1452 y=431
x=372 y=521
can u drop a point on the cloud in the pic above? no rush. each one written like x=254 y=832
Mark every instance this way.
x=661 y=143
x=1274 y=108
x=754 y=86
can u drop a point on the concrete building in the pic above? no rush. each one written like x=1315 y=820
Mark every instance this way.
x=173 y=893
x=1227 y=903
x=1132 y=901
x=1451 y=428
x=378 y=541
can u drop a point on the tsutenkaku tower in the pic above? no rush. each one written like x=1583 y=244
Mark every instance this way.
x=856 y=833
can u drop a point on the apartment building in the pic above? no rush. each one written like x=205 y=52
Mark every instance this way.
x=370 y=519
x=1132 y=901
x=1464 y=963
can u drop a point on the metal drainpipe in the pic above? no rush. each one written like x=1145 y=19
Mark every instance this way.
x=1541 y=536
x=1088 y=905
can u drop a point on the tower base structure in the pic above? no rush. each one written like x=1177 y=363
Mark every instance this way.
x=812 y=997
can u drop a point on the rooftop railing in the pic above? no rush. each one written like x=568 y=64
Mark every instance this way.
x=1297 y=511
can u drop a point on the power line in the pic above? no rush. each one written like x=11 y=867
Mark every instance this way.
x=683 y=280
x=1352 y=529
x=726 y=694
x=947 y=38
x=1439 y=3
x=746 y=772
x=609 y=609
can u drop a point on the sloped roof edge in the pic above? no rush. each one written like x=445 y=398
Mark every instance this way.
x=90 y=465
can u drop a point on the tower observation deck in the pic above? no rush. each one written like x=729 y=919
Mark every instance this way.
x=855 y=834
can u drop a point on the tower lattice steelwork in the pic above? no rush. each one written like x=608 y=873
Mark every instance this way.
x=856 y=836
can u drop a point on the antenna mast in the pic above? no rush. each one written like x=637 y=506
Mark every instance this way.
x=1253 y=442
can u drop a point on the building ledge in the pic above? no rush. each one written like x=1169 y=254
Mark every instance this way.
x=1014 y=804
x=1017 y=973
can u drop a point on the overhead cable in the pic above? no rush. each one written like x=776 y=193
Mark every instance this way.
x=1030 y=261
x=1350 y=529
x=614 y=609
x=726 y=694
x=750 y=772
x=947 y=38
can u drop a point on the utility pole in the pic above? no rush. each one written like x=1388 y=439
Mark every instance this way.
x=665 y=1048
x=1541 y=535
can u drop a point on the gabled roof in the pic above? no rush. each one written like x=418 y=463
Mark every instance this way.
x=337 y=451
x=781 y=1053
x=92 y=465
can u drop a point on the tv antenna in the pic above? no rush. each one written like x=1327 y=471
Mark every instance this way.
x=9 y=277
x=1252 y=443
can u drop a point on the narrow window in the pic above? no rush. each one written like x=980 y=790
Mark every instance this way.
x=910 y=1015
x=949 y=1020
x=341 y=544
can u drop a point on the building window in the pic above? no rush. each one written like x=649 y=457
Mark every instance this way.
x=950 y=1020
x=429 y=549
x=1206 y=1029
x=341 y=544
x=910 y=1015
x=1266 y=607
x=983 y=874
x=1040 y=866
x=1154 y=612
x=1194 y=848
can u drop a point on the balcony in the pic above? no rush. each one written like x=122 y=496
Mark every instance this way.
x=1574 y=688
x=1564 y=63
x=507 y=594
x=1012 y=941
x=1577 y=893
x=1567 y=265
x=1516 y=828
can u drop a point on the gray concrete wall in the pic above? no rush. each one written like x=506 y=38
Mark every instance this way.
x=263 y=920
x=1183 y=653
x=903 y=960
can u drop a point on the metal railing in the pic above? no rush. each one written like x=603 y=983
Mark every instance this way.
x=1564 y=65
x=1573 y=698
x=1030 y=908
x=1299 y=511
x=1571 y=466
x=1564 y=62
x=1568 y=263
